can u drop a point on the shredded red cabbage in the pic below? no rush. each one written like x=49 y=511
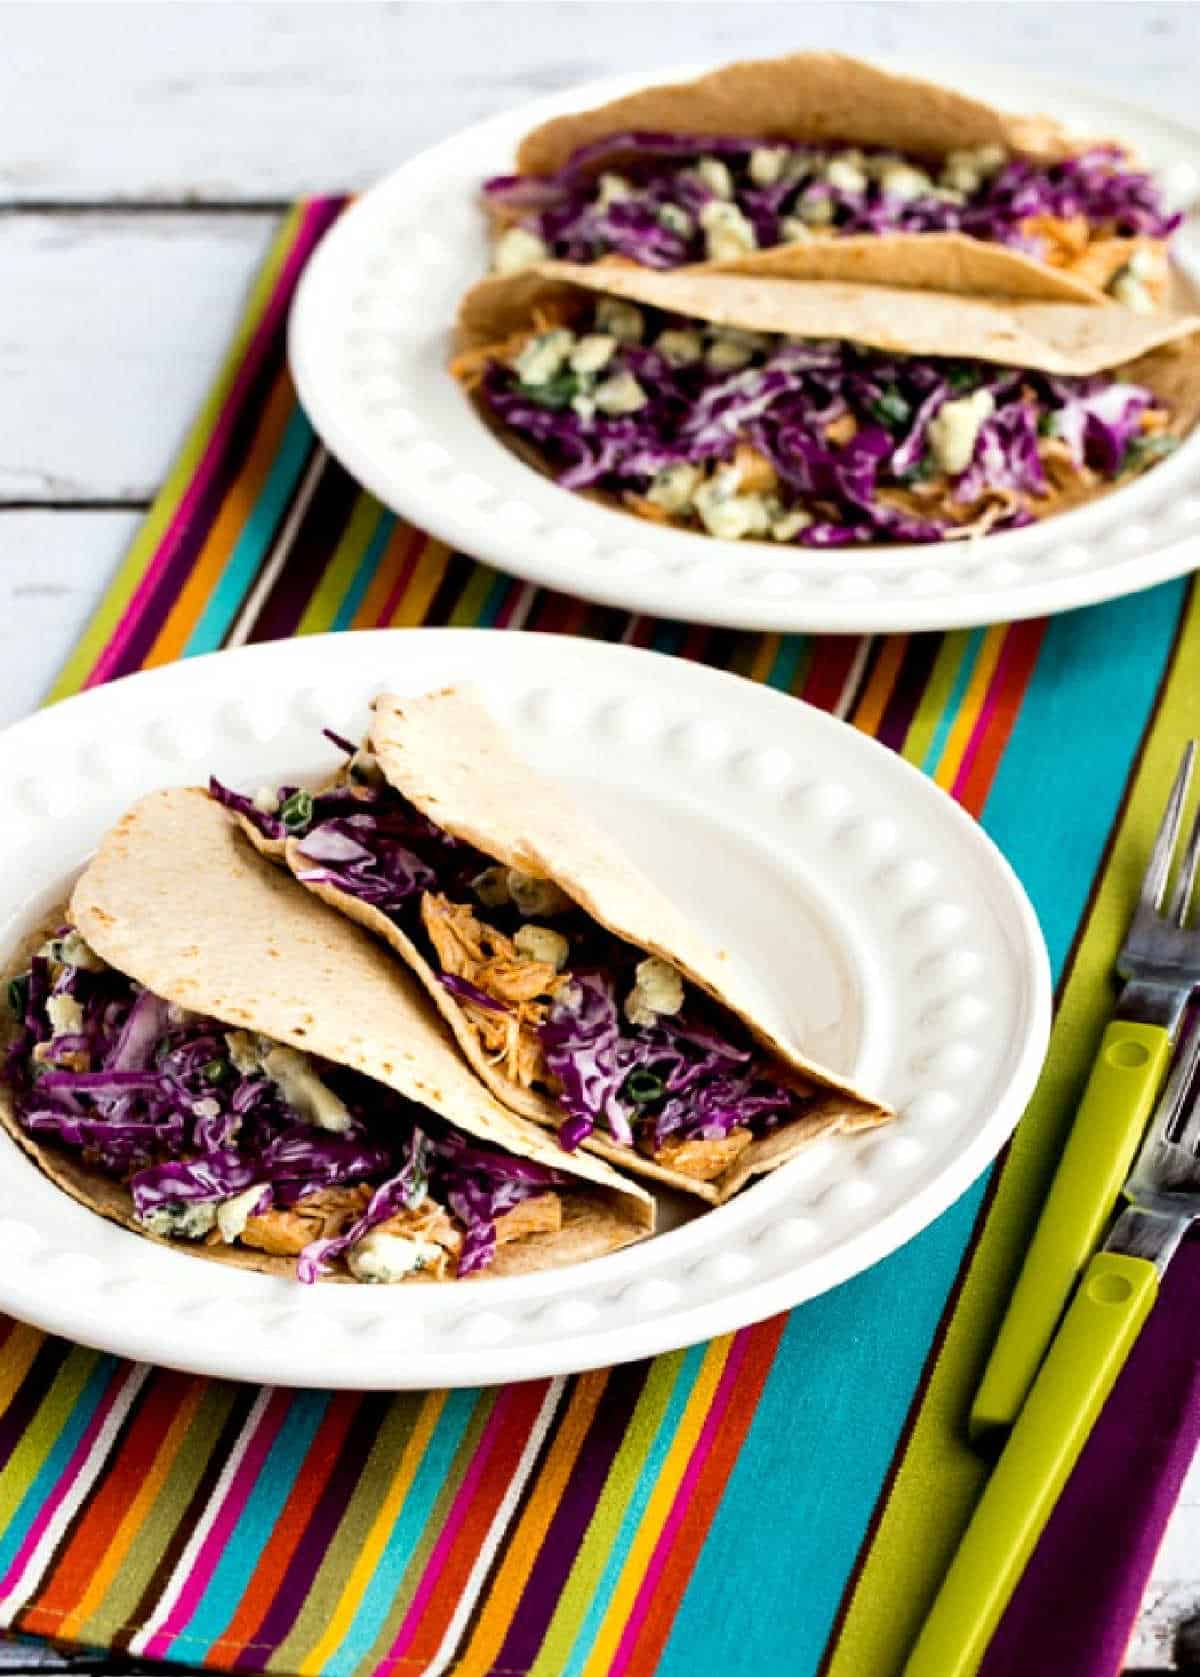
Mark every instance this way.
x=701 y=1084
x=151 y=1096
x=782 y=404
x=657 y=224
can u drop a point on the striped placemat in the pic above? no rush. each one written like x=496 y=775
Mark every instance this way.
x=781 y=1500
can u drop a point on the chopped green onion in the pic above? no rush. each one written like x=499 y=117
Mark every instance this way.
x=1047 y=425
x=18 y=995
x=216 y=1071
x=1142 y=451
x=891 y=410
x=961 y=378
x=920 y=473
x=642 y=1086
x=297 y=812
x=555 y=393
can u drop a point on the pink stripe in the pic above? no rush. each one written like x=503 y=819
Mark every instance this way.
x=516 y=591
x=991 y=700
x=226 y=1519
x=679 y=1507
x=449 y=1532
x=67 y=1477
x=276 y=306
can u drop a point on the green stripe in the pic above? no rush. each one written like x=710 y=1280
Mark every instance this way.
x=909 y=1552
x=161 y=1521
x=630 y=1480
x=124 y=585
x=947 y=676
x=423 y=1548
x=53 y=1415
x=339 y=573
x=369 y=1495
x=361 y=581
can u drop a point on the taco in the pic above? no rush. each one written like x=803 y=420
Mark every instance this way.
x=209 y=1056
x=822 y=413
x=581 y=996
x=813 y=148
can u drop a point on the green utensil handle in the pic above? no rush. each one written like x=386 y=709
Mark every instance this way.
x=1107 y=1131
x=1113 y=1300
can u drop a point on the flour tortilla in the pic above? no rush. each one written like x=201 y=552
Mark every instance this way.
x=174 y=900
x=823 y=97
x=449 y=757
x=1051 y=336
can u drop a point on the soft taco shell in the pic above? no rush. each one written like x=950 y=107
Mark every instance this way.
x=1051 y=336
x=822 y=97
x=447 y=755
x=174 y=900
x=808 y=98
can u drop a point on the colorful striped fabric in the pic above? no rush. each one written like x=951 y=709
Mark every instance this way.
x=781 y=1500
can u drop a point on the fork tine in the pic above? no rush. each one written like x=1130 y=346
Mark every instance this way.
x=1181 y=897
x=1154 y=882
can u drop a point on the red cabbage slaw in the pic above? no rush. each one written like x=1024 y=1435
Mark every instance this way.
x=151 y=1096
x=685 y=1078
x=657 y=222
x=783 y=403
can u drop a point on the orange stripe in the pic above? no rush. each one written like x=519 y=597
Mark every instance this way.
x=524 y=1544
x=311 y=1480
x=113 y=1515
x=236 y=508
x=395 y=562
x=411 y=607
x=21 y=1347
x=970 y=709
x=489 y=1492
x=1020 y=656
x=706 y=1497
x=871 y=707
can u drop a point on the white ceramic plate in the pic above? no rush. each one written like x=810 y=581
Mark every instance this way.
x=891 y=939
x=370 y=335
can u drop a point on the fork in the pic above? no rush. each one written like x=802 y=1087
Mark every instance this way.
x=1160 y=963
x=1118 y=1289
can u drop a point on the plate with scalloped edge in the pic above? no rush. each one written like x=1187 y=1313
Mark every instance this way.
x=370 y=336
x=885 y=933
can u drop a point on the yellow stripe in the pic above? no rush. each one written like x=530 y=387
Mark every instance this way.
x=423 y=585
x=972 y=703
x=526 y=1542
x=44 y=1430
x=121 y=591
x=936 y=696
x=765 y=654
x=338 y=574
x=20 y=1348
x=376 y=1539
x=910 y=1551
x=659 y=1506
x=873 y=703
x=131 y=1521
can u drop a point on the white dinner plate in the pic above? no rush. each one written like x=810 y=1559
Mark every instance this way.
x=886 y=933
x=370 y=337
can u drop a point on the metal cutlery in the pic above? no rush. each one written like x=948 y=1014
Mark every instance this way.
x=1117 y=1291
x=1160 y=963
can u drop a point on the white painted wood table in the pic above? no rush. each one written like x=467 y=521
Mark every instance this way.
x=145 y=156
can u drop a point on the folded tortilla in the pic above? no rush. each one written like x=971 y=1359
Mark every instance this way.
x=452 y=761
x=175 y=901
x=1158 y=351
x=821 y=98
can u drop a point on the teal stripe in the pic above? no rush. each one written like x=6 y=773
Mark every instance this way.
x=805 y=1483
x=251 y=546
x=792 y=648
x=950 y=710
x=668 y=636
x=106 y=1371
x=492 y=605
x=241 y=1554
x=414 y=1516
x=622 y=1542
x=368 y=565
